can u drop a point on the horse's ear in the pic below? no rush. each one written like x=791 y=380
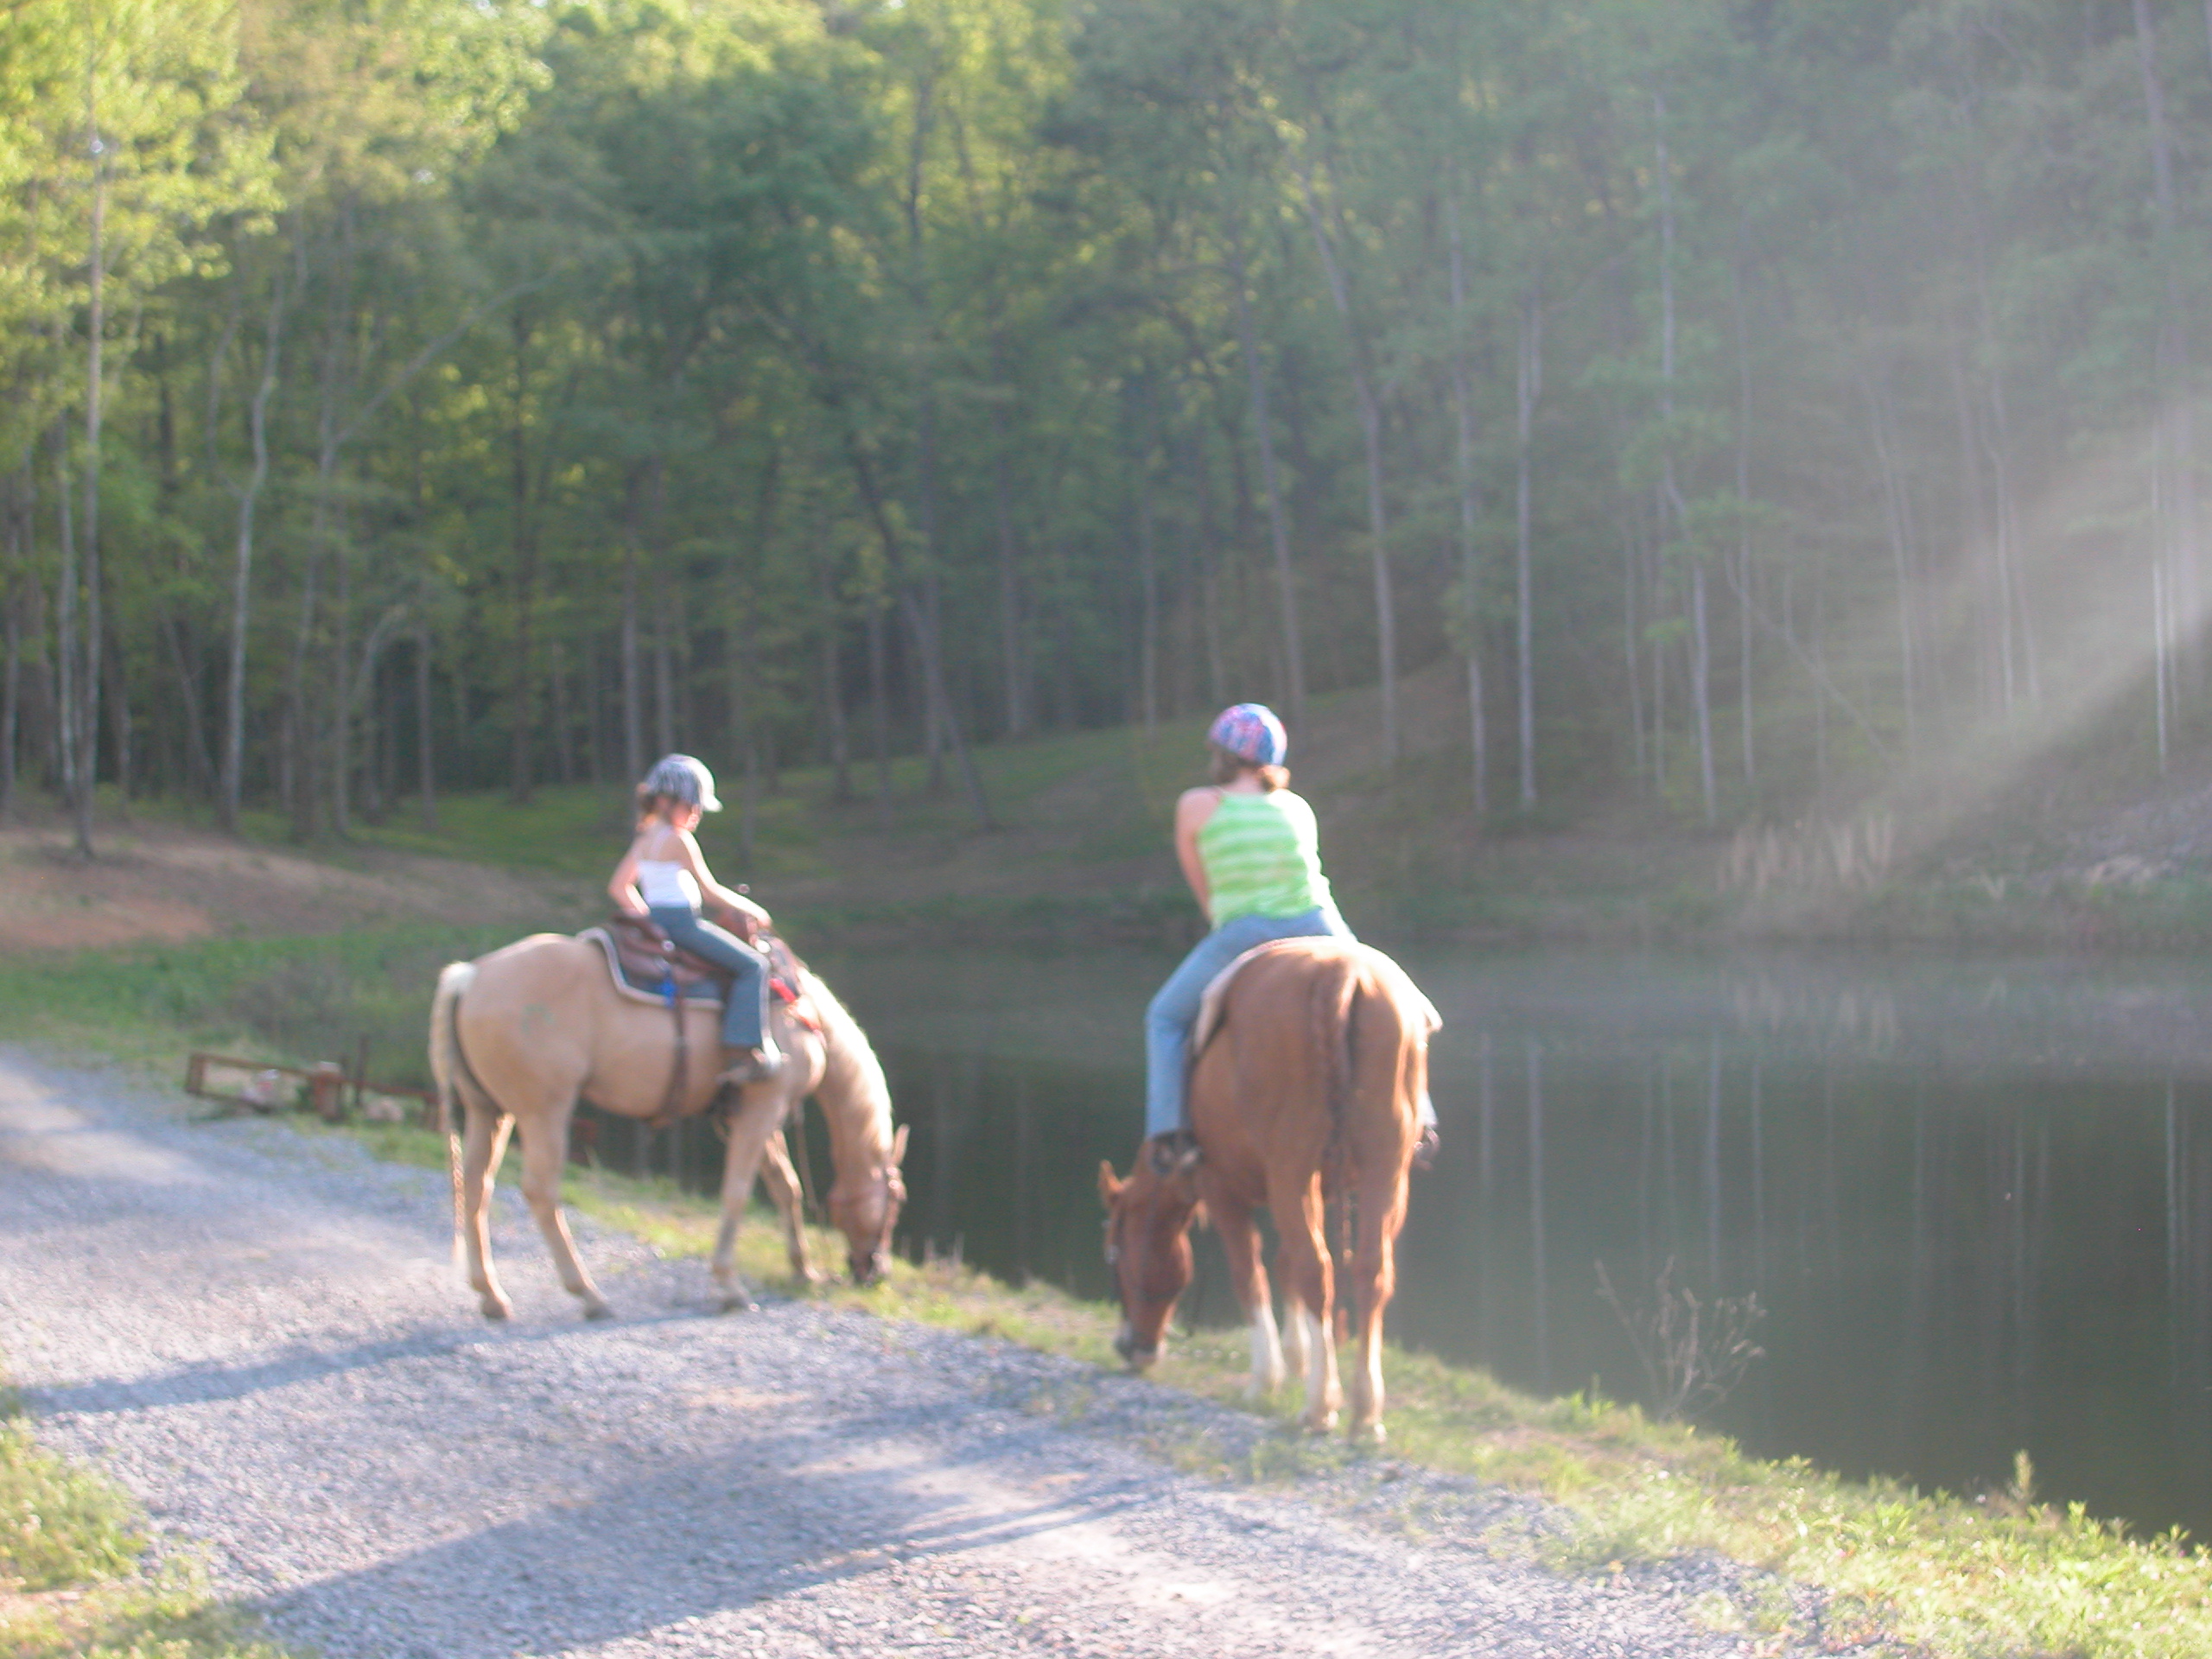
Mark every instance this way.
x=898 y=1146
x=1198 y=1217
x=1110 y=1185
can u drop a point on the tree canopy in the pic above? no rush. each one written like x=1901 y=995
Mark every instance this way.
x=1746 y=403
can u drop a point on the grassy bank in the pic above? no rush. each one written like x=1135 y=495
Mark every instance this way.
x=2003 y=1575
x=75 y=1576
x=310 y=998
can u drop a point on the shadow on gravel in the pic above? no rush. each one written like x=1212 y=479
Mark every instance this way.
x=753 y=1524
x=202 y=1384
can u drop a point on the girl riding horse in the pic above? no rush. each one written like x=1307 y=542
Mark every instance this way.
x=1250 y=850
x=664 y=877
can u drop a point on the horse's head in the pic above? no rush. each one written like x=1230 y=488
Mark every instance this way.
x=867 y=1208
x=1148 y=1220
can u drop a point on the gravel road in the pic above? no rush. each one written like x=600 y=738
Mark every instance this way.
x=260 y=1334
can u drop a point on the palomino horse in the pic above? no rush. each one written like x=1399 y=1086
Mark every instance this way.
x=520 y=1035
x=1306 y=1089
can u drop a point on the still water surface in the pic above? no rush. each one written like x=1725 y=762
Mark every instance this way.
x=1975 y=1197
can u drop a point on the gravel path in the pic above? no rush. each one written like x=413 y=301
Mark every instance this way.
x=260 y=1334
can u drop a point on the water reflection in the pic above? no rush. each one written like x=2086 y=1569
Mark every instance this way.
x=1973 y=1198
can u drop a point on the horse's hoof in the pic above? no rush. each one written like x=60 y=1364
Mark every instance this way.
x=1321 y=1423
x=740 y=1305
x=1370 y=1433
x=497 y=1310
x=598 y=1311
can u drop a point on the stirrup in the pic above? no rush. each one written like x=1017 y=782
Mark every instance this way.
x=756 y=1067
x=1425 y=1149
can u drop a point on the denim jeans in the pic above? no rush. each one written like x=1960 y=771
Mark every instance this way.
x=745 y=1014
x=1174 y=1009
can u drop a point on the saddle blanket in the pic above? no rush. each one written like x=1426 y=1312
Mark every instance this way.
x=654 y=982
x=1217 y=993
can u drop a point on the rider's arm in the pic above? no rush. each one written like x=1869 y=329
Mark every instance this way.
x=728 y=896
x=1192 y=811
x=622 y=887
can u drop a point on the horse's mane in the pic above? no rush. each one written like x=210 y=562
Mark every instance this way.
x=854 y=1095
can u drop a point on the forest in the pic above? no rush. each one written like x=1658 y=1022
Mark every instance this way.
x=1740 y=403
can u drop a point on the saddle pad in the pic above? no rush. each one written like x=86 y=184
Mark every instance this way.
x=1217 y=993
x=703 y=995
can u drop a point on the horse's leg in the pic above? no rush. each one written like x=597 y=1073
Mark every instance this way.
x=781 y=1180
x=1232 y=1220
x=1375 y=1281
x=544 y=1150
x=484 y=1145
x=758 y=1115
x=1303 y=1263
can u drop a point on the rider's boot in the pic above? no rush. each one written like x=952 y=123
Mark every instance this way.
x=755 y=1065
x=1170 y=1150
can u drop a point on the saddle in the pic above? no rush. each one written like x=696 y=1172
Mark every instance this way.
x=649 y=967
x=643 y=958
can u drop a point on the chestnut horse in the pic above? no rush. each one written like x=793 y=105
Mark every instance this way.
x=519 y=1036
x=1305 y=1089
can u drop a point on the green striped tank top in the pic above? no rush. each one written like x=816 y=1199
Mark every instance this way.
x=1263 y=857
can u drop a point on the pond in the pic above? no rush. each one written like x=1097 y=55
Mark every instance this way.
x=1973 y=1199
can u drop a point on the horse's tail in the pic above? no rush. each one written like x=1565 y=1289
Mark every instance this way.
x=447 y=1066
x=1336 y=1012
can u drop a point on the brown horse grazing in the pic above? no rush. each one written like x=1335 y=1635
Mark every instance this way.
x=519 y=1036
x=1306 y=1089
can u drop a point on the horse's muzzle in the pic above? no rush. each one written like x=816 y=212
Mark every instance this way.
x=867 y=1269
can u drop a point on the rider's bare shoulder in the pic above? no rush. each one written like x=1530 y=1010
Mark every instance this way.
x=1196 y=805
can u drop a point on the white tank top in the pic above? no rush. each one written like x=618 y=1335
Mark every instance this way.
x=665 y=882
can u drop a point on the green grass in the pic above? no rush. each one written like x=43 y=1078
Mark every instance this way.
x=74 y=1580
x=314 y=998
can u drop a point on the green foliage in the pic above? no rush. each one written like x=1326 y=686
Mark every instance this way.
x=74 y=1583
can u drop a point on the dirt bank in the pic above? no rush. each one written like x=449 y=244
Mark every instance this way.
x=155 y=883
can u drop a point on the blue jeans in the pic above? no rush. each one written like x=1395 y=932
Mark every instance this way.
x=745 y=1011
x=1174 y=1009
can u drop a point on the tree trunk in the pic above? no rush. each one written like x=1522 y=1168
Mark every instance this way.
x=1278 y=525
x=1894 y=523
x=833 y=695
x=69 y=667
x=199 y=764
x=1701 y=647
x=2175 y=370
x=522 y=711
x=426 y=771
x=663 y=662
x=119 y=730
x=564 y=734
x=11 y=667
x=1742 y=583
x=1208 y=569
x=1528 y=387
x=1148 y=598
x=1463 y=464
x=878 y=714
x=1012 y=657
x=633 y=713
x=86 y=721
x=935 y=715
x=242 y=564
x=1371 y=434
